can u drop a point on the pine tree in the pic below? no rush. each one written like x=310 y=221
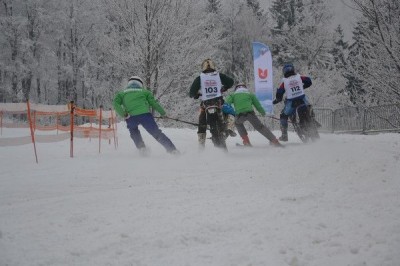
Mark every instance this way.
x=339 y=50
x=373 y=69
x=286 y=15
x=300 y=33
x=255 y=7
x=213 y=6
x=355 y=85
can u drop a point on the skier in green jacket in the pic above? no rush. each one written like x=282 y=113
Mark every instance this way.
x=244 y=101
x=133 y=104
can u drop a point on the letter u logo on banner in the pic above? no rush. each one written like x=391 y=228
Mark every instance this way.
x=262 y=73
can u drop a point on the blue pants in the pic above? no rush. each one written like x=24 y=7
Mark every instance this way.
x=147 y=121
x=289 y=109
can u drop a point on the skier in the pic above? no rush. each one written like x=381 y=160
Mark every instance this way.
x=209 y=86
x=244 y=101
x=133 y=104
x=229 y=117
x=293 y=84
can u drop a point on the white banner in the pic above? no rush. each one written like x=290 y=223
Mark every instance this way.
x=263 y=82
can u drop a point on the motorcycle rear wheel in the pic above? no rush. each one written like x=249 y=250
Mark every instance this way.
x=217 y=130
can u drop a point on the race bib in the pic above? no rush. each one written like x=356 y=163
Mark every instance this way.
x=293 y=86
x=210 y=85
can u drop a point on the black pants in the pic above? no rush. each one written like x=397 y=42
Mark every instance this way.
x=255 y=122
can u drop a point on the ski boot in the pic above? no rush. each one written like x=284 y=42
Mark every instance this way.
x=202 y=140
x=230 y=125
x=143 y=151
x=276 y=143
x=246 y=140
x=284 y=136
x=175 y=152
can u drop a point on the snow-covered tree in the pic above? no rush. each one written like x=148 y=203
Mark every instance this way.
x=374 y=59
x=255 y=7
x=243 y=23
x=339 y=50
x=301 y=32
x=302 y=36
x=335 y=79
x=74 y=42
x=213 y=6
x=162 y=41
x=12 y=28
x=56 y=51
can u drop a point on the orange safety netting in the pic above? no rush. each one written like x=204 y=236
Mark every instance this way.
x=68 y=121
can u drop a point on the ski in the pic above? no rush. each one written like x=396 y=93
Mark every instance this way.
x=247 y=146
x=244 y=146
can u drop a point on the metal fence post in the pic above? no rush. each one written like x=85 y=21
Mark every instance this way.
x=364 y=123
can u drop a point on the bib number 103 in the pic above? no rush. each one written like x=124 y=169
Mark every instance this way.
x=211 y=90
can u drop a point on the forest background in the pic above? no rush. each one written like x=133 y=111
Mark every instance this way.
x=54 y=52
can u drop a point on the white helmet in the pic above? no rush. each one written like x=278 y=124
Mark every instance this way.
x=240 y=85
x=135 y=80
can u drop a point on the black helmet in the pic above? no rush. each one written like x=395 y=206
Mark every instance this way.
x=207 y=65
x=288 y=70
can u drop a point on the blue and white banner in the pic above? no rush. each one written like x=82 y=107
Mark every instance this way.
x=263 y=82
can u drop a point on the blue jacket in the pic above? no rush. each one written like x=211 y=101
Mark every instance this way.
x=228 y=109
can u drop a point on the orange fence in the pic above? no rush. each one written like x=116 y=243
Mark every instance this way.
x=69 y=121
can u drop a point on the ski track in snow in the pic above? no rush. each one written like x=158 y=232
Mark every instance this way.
x=333 y=202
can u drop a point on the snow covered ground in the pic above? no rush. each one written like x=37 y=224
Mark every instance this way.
x=334 y=202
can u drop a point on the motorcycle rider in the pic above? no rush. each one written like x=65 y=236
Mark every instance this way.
x=209 y=85
x=244 y=101
x=293 y=84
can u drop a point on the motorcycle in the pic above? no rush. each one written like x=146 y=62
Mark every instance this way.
x=215 y=121
x=304 y=123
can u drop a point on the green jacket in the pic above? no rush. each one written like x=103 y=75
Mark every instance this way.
x=135 y=101
x=243 y=101
x=226 y=81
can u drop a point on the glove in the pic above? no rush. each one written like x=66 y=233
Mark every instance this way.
x=276 y=101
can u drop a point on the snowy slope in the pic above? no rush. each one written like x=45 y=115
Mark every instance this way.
x=335 y=202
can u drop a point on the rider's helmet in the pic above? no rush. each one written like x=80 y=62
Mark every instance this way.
x=288 y=70
x=135 y=80
x=208 y=65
